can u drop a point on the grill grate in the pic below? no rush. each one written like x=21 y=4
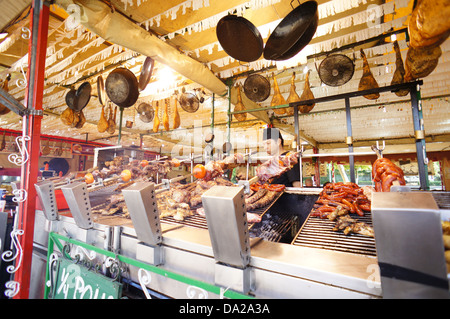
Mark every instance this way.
x=97 y=199
x=276 y=227
x=442 y=199
x=199 y=221
x=318 y=233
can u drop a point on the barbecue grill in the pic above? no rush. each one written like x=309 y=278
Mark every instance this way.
x=292 y=255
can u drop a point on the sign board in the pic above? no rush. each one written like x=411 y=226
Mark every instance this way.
x=73 y=281
x=82 y=149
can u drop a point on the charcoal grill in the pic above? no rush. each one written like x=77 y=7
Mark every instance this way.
x=318 y=233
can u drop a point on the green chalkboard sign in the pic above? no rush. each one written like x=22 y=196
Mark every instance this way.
x=73 y=281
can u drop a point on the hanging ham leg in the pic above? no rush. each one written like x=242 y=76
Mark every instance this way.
x=367 y=81
x=293 y=96
x=102 y=124
x=156 y=120
x=166 y=115
x=277 y=99
x=176 y=115
x=240 y=106
x=306 y=95
x=399 y=74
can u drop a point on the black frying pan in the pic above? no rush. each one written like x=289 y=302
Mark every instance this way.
x=69 y=98
x=101 y=90
x=122 y=87
x=293 y=33
x=239 y=38
x=82 y=96
x=146 y=73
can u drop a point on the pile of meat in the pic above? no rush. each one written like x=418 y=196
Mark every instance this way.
x=338 y=200
x=138 y=171
x=385 y=173
x=276 y=166
x=347 y=195
x=115 y=206
x=183 y=200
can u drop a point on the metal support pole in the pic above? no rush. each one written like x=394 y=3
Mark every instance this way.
x=422 y=160
x=349 y=139
x=297 y=140
x=229 y=114
x=32 y=128
x=120 y=126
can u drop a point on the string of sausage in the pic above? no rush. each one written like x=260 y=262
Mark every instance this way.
x=385 y=173
x=347 y=195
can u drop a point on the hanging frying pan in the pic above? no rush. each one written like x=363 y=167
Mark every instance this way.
x=122 y=87
x=101 y=90
x=227 y=147
x=209 y=137
x=145 y=112
x=336 y=70
x=82 y=96
x=293 y=33
x=70 y=97
x=239 y=38
x=146 y=73
x=189 y=102
x=257 y=88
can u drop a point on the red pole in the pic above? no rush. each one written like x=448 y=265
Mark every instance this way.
x=32 y=128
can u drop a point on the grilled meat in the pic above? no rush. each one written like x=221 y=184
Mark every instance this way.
x=348 y=225
x=276 y=166
x=339 y=211
x=256 y=196
x=264 y=201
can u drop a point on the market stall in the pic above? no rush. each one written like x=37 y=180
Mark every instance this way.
x=174 y=194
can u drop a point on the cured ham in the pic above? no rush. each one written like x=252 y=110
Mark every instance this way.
x=176 y=115
x=239 y=107
x=102 y=124
x=156 y=121
x=277 y=98
x=166 y=115
x=307 y=94
x=367 y=81
x=399 y=74
x=293 y=96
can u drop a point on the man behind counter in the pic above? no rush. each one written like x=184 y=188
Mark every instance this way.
x=274 y=145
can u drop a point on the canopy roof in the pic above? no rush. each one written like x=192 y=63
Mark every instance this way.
x=181 y=37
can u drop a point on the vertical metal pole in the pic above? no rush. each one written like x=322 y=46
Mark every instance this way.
x=32 y=128
x=422 y=160
x=212 y=113
x=229 y=115
x=297 y=140
x=120 y=126
x=349 y=139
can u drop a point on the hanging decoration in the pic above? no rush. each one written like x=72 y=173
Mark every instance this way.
x=21 y=159
x=14 y=256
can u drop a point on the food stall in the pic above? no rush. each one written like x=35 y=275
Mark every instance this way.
x=157 y=215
